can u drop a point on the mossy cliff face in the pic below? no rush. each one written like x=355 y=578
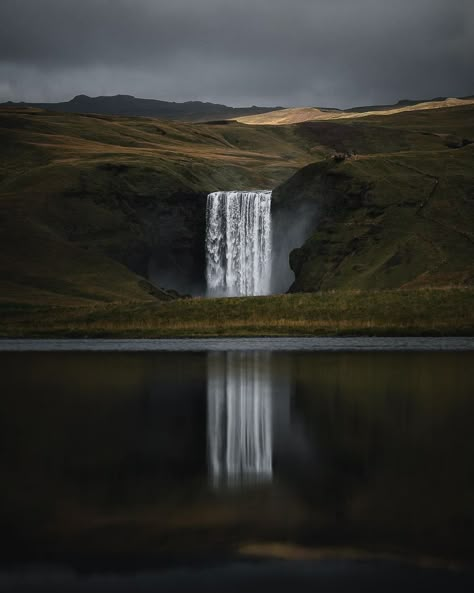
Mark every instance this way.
x=384 y=221
x=156 y=230
x=107 y=232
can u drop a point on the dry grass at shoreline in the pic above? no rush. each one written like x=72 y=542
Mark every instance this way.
x=448 y=311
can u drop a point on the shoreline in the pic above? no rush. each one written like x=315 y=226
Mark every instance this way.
x=279 y=344
x=426 y=312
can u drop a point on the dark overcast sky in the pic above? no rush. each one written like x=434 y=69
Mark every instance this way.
x=240 y=52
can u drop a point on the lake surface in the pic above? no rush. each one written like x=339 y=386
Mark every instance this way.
x=333 y=466
x=346 y=344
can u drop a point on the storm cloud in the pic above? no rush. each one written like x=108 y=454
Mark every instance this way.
x=268 y=52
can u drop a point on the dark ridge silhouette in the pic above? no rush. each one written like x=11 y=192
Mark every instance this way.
x=133 y=106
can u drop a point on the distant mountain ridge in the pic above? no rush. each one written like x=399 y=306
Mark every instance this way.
x=199 y=111
x=128 y=105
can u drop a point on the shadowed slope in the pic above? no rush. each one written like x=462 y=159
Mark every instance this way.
x=87 y=202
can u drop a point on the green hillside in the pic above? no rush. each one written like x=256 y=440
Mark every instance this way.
x=104 y=209
x=390 y=218
x=87 y=201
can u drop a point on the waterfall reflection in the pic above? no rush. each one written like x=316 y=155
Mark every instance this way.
x=239 y=404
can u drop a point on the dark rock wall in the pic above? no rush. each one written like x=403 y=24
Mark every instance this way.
x=314 y=197
x=176 y=232
x=139 y=217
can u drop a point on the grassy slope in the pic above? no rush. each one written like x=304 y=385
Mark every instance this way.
x=59 y=185
x=392 y=218
x=399 y=312
x=302 y=114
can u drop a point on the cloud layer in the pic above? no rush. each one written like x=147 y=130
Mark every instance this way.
x=267 y=52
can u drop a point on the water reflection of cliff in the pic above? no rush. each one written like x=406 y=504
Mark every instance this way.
x=240 y=430
x=363 y=450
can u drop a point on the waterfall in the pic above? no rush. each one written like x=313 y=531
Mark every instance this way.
x=239 y=410
x=238 y=243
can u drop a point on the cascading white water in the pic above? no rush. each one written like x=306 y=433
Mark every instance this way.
x=239 y=410
x=238 y=243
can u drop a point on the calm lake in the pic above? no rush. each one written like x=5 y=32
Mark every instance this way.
x=220 y=465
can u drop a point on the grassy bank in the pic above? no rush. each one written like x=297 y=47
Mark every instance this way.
x=447 y=311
